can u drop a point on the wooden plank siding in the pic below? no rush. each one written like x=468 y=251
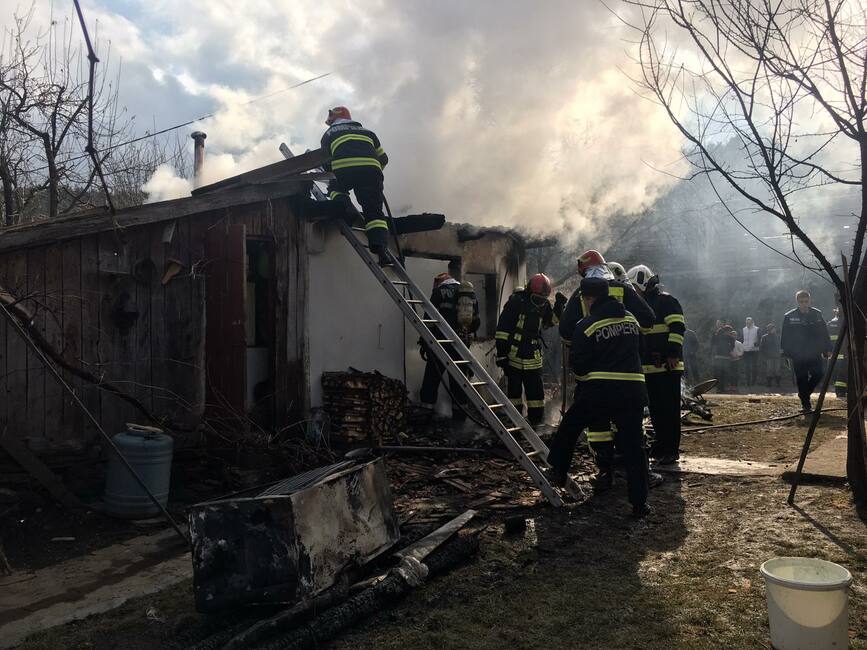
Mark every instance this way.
x=76 y=288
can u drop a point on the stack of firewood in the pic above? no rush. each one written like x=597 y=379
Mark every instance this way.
x=365 y=406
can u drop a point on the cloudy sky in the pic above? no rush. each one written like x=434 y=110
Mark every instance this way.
x=492 y=112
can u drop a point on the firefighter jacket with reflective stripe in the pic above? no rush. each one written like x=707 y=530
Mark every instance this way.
x=445 y=298
x=804 y=336
x=605 y=353
x=519 y=330
x=624 y=293
x=663 y=339
x=350 y=145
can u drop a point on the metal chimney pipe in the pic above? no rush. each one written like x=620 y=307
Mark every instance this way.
x=198 y=156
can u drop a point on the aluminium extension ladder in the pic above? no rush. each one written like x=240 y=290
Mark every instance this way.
x=499 y=413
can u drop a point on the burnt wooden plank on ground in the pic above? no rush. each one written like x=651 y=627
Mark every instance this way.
x=16 y=448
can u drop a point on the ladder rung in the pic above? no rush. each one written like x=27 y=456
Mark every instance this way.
x=478 y=383
x=357 y=229
x=444 y=341
x=414 y=302
x=399 y=282
x=513 y=429
x=533 y=453
x=495 y=406
x=430 y=320
x=459 y=362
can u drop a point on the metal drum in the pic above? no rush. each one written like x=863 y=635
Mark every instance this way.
x=149 y=451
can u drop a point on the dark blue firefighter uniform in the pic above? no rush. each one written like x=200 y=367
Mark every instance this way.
x=605 y=357
x=600 y=435
x=357 y=159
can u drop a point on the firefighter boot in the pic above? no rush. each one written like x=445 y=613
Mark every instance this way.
x=603 y=480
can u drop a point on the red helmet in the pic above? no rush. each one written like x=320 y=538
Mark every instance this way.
x=439 y=279
x=540 y=284
x=337 y=113
x=589 y=259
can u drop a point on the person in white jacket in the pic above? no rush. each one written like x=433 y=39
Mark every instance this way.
x=751 y=340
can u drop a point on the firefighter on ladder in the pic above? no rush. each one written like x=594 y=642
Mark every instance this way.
x=662 y=362
x=457 y=304
x=600 y=434
x=519 y=345
x=841 y=370
x=357 y=160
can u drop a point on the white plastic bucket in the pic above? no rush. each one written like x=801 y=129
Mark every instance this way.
x=808 y=603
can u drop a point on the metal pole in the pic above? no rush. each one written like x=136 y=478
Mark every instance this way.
x=50 y=366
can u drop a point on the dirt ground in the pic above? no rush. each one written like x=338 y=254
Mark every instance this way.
x=588 y=575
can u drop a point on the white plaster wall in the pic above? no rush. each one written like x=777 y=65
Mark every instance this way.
x=352 y=321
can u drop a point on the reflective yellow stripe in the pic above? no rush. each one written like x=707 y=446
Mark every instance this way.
x=616 y=292
x=344 y=163
x=652 y=370
x=656 y=329
x=600 y=436
x=334 y=195
x=535 y=403
x=519 y=336
x=380 y=151
x=516 y=401
x=841 y=384
x=525 y=364
x=609 y=321
x=350 y=136
x=675 y=338
x=375 y=223
x=503 y=336
x=840 y=357
x=674 y=318
x=612 y=376
x=834 y=337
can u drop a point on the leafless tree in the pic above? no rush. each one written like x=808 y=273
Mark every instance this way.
x=786 y=80
x=44 y=93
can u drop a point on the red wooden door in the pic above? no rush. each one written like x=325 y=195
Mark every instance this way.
x=225 y=340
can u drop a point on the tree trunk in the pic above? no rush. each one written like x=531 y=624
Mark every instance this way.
x=8 y=193
x=53 y=179
x=856 y=456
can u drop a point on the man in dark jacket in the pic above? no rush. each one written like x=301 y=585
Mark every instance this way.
x=605 y=357
x=357 y=160
x=600 y=434
x=519 y=344
x=805 y=341
x=445 y=298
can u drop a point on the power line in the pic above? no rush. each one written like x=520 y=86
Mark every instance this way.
x=194 y=120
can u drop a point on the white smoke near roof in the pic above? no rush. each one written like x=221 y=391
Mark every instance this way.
x=493 y=113
x=165 y=184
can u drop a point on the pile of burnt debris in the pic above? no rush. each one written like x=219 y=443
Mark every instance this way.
x=308 y=557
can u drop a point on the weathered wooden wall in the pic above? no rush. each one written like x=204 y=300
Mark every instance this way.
x=72 y=287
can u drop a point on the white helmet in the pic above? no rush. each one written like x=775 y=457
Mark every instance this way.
x=640 y=276
x=618 y=271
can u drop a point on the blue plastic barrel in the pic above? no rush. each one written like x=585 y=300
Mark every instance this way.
x=149 y=451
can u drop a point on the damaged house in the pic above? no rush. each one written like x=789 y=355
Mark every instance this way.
x=226 y=305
